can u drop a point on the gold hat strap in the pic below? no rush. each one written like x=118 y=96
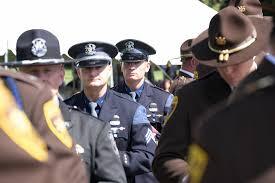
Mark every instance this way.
x=224 y=54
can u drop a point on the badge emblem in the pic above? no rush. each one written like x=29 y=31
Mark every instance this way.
x=90 y=49
x=79 y=149
x=220 y=40
x=39 y=47
x=115 y=121
x=129 y=45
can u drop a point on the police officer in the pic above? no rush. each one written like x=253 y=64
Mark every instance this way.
x=129 y=124
x=38 y=54
x=234 y=57
x=135 y=64
x=188 y=67
x=34 y=146
x=241 y=142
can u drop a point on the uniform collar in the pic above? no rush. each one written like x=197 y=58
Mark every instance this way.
x=138 y=91
x=99 y=101
x=187 y=72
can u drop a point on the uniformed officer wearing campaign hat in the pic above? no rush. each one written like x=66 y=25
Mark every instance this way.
x=188 y=67
x=129 y=124
x=135 y=64
x=235 y=144
x=231 y=44
x=38 y=54
x=34 y=144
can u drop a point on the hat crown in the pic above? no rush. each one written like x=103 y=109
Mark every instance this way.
x=132 y=49
x=229 y=29
x=37 y=44
x=92 y=53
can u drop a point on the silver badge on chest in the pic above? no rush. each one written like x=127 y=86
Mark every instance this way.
x=39 y=47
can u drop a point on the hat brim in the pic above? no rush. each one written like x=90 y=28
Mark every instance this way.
x=91 y=63
x=39 y=62
x=204 y=55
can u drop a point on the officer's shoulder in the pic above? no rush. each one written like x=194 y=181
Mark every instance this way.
x=197 y=84
x=22 y=78
x=73 y=98
x=157 y=89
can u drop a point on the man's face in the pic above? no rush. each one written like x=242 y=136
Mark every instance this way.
x=134 y=71
x=94 y=76
x=53 y=75
x=233 y=74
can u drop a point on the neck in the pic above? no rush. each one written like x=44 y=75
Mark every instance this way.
x=134 y=85
x=94 y=93
x=188 y=68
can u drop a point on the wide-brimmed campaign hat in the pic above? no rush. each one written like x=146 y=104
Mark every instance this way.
x=92 y=54
x=37 y=47
x=185 y=49
x=133 y=50
x=248 y=7
x=232 y=38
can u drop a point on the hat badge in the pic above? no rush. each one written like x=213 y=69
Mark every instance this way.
x=39 y=47
x=129 y=45
x=90 y=49
x=241 y=8
x=220 y=40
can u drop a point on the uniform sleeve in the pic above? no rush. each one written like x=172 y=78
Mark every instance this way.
x=108 y=167
x=168 y=104
x=66 y=166
x=169 y=163
x=139 y=158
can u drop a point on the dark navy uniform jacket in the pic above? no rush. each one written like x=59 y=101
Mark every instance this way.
x=152 y=94
x=130 y=127
x=94 y=145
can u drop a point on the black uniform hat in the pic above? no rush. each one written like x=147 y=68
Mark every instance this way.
x=37 y=47
x=92 y=54
x=134 y=50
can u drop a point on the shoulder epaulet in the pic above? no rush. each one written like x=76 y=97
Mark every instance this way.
x=158 y=88
x=207 y=75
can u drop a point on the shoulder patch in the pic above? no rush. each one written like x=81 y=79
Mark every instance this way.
x=198 y=160
x=16 y=125
x=56 y=123
x=173 y=107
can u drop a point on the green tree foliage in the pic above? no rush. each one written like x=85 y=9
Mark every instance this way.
x=215 y=4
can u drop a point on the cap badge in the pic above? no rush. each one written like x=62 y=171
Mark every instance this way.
x=39 y=47
x=220 y=40
x=241 y=8
x=129 y=45
x=90 y=49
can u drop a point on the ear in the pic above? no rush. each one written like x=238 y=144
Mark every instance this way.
x=78 y=71
x=148 y=65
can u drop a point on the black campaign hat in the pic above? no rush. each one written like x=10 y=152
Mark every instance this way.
x=37 y=47
x=134 y=50
x=92 y=54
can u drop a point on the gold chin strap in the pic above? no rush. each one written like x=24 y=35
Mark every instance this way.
x=224 y=54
